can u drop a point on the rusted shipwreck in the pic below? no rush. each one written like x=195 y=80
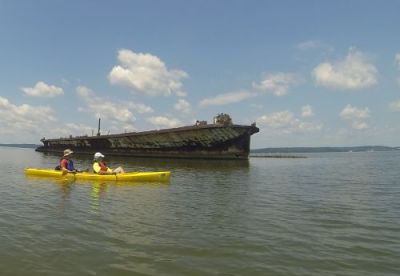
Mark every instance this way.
x=219 y=140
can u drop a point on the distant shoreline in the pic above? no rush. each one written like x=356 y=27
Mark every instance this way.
x=26 y=146
x=277 y=156
x=322 y=149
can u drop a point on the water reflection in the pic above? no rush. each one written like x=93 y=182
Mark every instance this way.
x=154 y=164
x=98 y=190
x=65 y=187
x=327 y=214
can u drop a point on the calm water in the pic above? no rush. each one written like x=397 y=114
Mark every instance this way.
x=328 y=214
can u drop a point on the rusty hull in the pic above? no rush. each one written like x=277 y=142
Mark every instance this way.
x=206 y=142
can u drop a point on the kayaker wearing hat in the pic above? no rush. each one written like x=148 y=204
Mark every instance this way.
x=101 y=168
x=66 y=164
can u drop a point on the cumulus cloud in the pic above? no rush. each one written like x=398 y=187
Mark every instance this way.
x=27 y=124
x=227 y=98
x=84 y=91
x=42 y=89
x=104 y=109
x=278 y=83
x=140 y=107
x=360 y=125
x=397 y=60
x=277 y=119
x=351 y=112
x=164 y=122
x=24 y=117
x=183 y=106
x=147 y=74
x=73 y=129
x=112 y=111
x=353 y=72
x=286 y=122
x=307 y=111
x=118 y=113
x=395 y=105
x=355 y=116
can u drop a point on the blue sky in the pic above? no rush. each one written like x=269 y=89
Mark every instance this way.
x=309 y=73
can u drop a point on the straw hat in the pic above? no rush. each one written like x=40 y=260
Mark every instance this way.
x=68 y=152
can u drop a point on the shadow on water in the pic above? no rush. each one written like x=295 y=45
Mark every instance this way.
x=83 y=161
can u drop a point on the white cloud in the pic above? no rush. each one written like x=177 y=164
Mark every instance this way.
x=147 y=74
x=118 y=113
x=277 y=119
x=395 y=106
x=359 y=125
x=83 y=91
x=164 y=122
x=79 y=127
x=42 y=89
x=286 y=122
x=140 y=108
x=73 y=129
x=356 y=116
x=183 y=106
x=18 y=119
x=278 y=83
x=112 y=111
x=353 y=72
x=350 y=112
x=397 y=60
x=227 y=98
x=307 y=111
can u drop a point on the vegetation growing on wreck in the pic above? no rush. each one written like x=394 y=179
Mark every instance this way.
x=223 y=119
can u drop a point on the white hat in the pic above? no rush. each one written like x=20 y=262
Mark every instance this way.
x=98 y=155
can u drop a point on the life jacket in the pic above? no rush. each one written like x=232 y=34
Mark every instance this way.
x=70 y=164
x=102 y=165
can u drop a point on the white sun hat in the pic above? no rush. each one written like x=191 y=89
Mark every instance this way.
x=98 y=155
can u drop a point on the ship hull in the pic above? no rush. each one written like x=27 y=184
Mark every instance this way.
x=203 y=142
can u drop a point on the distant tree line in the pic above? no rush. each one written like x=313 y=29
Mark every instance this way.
x=323 y=149
x=20 y=145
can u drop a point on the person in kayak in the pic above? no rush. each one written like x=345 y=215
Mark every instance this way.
x=101 y=168
x=66 y=164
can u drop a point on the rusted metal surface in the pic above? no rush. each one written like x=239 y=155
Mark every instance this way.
x=201 y=141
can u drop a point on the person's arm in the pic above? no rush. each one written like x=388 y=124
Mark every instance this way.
x=108 y=171
x=64 y=167
x=97 y=169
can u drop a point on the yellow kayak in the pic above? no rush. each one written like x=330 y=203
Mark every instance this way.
x=129 y=176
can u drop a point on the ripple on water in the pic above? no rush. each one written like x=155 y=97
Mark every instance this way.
x=332 y=214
